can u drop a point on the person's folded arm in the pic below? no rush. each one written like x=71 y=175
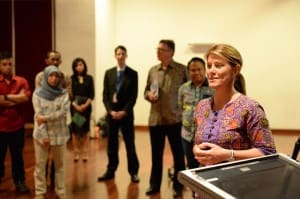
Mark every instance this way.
x=62 y=112
x=18 y=98
x=22 y=96
x=6 y=103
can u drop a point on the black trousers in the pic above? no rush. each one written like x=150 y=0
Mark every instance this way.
x=15 y=142
x=127 y=128
x=188 y=151
x=157 y=137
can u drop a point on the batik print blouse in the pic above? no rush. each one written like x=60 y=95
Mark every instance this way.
x=241 y=124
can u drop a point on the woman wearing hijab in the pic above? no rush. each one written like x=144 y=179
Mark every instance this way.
x=51 y=105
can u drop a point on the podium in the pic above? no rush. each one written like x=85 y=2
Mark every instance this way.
x=274 y=176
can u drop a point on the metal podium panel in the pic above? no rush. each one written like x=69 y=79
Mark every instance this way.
x=274 y=176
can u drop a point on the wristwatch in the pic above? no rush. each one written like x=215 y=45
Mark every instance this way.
x=231 y=158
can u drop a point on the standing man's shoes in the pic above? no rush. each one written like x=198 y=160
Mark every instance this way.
x=22 y=187
x=76 y=157
x=151 y=191
x=85 y=157
x=135 y=178
x=106 y=176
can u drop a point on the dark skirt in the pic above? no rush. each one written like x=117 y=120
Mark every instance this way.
x=85 y=128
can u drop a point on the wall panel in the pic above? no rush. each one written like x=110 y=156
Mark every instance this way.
x=6 y=26
x=33 y=38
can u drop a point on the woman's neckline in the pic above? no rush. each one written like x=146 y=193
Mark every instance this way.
x=215 y=109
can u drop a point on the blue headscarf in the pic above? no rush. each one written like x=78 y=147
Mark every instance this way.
x=46 y=91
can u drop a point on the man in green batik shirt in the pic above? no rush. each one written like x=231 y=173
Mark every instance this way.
x=189 y=94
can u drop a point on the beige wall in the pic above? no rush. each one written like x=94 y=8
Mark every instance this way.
x=75 y=32
x=265 y=32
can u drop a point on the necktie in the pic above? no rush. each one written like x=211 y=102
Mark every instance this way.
x=119 y=79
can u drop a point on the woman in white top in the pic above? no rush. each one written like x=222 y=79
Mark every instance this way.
x=51 y=105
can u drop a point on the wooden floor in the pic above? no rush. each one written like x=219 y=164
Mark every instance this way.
x=81 y=178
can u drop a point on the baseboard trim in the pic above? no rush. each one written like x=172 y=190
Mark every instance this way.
x=274 y=131
x=141 y=128
x=29 y=126
x=286 y=131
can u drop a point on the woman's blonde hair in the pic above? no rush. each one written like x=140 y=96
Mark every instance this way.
x=231 y=54
x=234 y=58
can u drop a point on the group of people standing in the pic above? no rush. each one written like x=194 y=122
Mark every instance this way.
x=201 y=109
x=55 y=96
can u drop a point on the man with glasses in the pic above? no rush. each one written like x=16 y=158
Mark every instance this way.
x=164 y=80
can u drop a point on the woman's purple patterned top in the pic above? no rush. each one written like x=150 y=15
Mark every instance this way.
x=241 y=124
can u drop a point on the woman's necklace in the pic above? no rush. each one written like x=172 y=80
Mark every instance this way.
x=80 y=79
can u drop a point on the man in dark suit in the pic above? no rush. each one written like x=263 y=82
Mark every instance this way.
x=119 y=97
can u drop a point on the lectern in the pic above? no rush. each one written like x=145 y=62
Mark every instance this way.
x=274 y=176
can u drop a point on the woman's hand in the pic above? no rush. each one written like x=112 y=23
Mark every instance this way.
x=40 y=119
x=46 y=142
x=209 y=154
x=83 y=107
x=78 y=108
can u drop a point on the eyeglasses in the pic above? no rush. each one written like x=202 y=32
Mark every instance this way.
x=162 y=50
